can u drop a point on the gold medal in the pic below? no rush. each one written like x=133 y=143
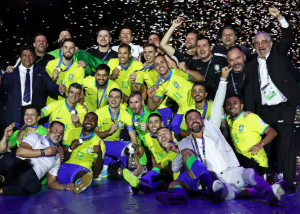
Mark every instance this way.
x=59 y=69
x=73 y=112
x=80 y=141
x=119 y=67
x=13 y=125
x=136 y=124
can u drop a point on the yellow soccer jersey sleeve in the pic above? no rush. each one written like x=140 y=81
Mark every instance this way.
x=105 y=122
x=58 y=111
x=72 y=75
x=84 y=154
x=158 y=153
x=91 y=98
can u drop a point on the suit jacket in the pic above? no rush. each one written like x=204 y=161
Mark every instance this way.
x=279 y=69
x=11 y=87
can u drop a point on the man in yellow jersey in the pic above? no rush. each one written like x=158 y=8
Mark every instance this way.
x=65 y=69
x=150 y=76
x=161 y=174
x=177 y=85
x=68 y=111
x=97 y=88
x=83 y=149
x=111 y=119
x=122 y=67
x=246 y=134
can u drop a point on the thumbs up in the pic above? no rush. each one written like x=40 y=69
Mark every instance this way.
x=62 y=87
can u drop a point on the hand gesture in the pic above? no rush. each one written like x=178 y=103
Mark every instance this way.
x=246 y=113
x=182 y=66
x=225 y=72
x=97 y=150
x=274 y=12
x=151 y=92
x=188 y=152
x=10 y=69
x=70 y=187
x=61 y=153
x=8 y=131
x=143 y=126
x=132 y=77
x=74 y=144
x=255 y=149
x=55 y=74
x=177 y=22
x=50 y=151
x=116 y=73
x=113 y=127
x=75 y=118
x=62 y=88
x=81 y=64
x=20 y=136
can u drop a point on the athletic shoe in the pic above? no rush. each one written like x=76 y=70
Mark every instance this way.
x=105 y=172
x=85 y=182
x=99 y=178
x=131 y=179
x=145 y=188
x=216 y=190
x=172 y=198
x=276 y=192
x=280 y=177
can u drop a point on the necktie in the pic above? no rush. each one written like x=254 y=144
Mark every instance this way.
x=26 y=97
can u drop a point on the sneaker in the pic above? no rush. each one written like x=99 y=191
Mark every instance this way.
x=85 y=182
x=105 y=172
x=99 y=177
x=293 y=187
x=276 y=192
x=131 y=179
x=172 y=198
x=145 y=188
x=216 y=190
x=280 y=177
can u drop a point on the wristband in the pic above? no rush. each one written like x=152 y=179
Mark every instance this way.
x=70 y=150
x=223 y=79
x=42 y=152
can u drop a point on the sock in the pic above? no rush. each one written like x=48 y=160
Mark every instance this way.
x=152 y=176
x=199 y=171
x=178 y=189
x=78 y=181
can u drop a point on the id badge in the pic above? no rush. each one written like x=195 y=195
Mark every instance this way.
x=268 y=91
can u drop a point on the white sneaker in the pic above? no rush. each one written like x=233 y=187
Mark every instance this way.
x=217 y=190
x=99 y=177
x=105 y=172
x=276 y=192
x=280 y=176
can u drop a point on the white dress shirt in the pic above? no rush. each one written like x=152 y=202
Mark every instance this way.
x=135 y=50
x=265 y=78
x=23 y=71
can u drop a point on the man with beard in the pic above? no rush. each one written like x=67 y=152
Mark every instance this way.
x=273 y=93
x=190 y=44
x=65 y=70
x=103 y=50
x=126 y=37
x=36 y=156
x=161 y=174
x=97 y=88
x=68 y=111
x=207 y=145
x=83 y=149
x=246 y=135
x=208 y=65
x=175 y=84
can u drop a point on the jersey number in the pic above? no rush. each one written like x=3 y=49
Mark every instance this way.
x=79 y=155
x=125 y=84
x=159 y=155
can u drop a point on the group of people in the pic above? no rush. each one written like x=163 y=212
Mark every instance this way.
x=210 y=119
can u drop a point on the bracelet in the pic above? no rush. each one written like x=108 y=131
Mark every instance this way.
x=42 y=152
x=223 y=79
x=65 y=188
x=70 y=150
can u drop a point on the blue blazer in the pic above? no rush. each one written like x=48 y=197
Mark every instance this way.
x=42 y=85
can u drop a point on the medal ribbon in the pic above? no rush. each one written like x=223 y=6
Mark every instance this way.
x=69 y=108
x=112 y=116
x=106 y=54
x=168 y=77
x=136 y=120
x=86 y=137
x=145 y=68
x=208 y=65
x=151 y=135
x=67 y=68
x=204 y=110
x=103 y=93
x=125 y=68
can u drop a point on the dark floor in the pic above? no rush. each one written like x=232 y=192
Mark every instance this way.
x=114 y=196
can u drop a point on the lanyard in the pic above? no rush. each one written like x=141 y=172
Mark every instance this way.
x=145 y=68
x=19 y=126
x=86 y=137
x=191 y=59
x=69 y=108
x=168 y=77
x=208 y=65
x=51 y=144
x=112 y=116
x=40 y=59
x=136 y=120
x=204 y=110
x=259 y=78
x=60 y=56
x=106 y=54
x=32 y=126
x=151 y=135
x=233 y=83
x=103 y=93
x=125 y=68
x=196 y=148
x=67 y=68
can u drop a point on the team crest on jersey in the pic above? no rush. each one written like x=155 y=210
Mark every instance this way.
x=217 y=67
x=120 y=124
x=241 y=128
x=176 y=84
x=71 y=76
x=89 y=150
x=106 y=97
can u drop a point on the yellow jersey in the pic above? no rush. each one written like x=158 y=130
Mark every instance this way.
x=84 y=154
x=59 y=111
x=105 y=121
x=95 y=98
x=245 y=133
x=72 y=75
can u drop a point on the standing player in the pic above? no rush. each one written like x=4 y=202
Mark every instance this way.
x=65 y=69
x=83 y=149
x=177 y=85
x=68 y=111
x=97 y=88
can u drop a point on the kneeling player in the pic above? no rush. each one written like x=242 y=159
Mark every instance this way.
x=82 y=148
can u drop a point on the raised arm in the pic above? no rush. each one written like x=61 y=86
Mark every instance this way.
x=194 y=76
x=153 y=102
x=4 y=143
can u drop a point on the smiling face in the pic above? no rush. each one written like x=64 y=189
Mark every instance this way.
x=114 y=99
x=124 y=55
x=194 y=122
x=154 y=123
x=90 y=122
x=190 y=41
x=161 y=65
x=55 y=133
x=40 y=44
x=165 y=139
x=149 y=54
x=126 y=36
x=101 y=77
x=234 y=107
x=73 y=95
x=153 y=39
x=136 y=104
x=31 y=117
x=228 y=38
x=27 y=58
x=262 y=45
x=199 y=93
x=204 y=49
x=103 y=38
x=236 y=59
x=68 y=50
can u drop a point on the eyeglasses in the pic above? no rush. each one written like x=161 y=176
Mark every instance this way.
x=263 y=43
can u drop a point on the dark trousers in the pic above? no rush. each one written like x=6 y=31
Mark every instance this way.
x=281 y=118
x=20 y=177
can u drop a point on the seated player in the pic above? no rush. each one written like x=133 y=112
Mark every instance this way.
x=111 y=120
x=36 y=156
x=97 y=88
x=65 y=69
x=177 y=85
x=83 y=148
x=68 y=111
x=161 y=174
x=122 y=67
x=246 y=135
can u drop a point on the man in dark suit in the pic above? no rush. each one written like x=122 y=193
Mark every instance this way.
x=26 y=85
x=272 y=92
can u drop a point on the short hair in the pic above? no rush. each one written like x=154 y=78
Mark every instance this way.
x=117 y=90
x=151 y=45
x=190 y=111
x=155 y=115
x=158 y=55
x=103 y=67
x=235 y=47
x=158 y=35
x=204 y=38
x=160 y=128
x=237 y=96
x=68 y=40
x=75 y=85
x=27 y=48
x=229 y=27
x=199 y=83
x=193 y=31
x=39 y=34
x=123 y=45
x=135 y=93
x=33 y=107
x=106 y=29
x=92 y=113
x=53 y=122
x=264 y=33
x=125 y=27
